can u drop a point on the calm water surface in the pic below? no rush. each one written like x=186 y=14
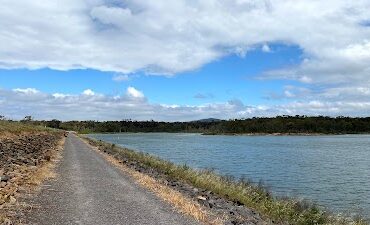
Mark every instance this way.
x=333 y=171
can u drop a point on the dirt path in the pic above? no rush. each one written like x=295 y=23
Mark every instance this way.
x=89 y=190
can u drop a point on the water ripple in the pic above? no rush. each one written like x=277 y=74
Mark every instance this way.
x=333 y=171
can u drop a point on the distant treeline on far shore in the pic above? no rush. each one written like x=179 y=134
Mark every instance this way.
x=257 y=125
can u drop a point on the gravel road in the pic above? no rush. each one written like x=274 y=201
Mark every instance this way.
x=89 y=190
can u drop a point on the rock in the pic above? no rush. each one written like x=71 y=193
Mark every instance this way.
x=238 y=203
x=245 y=212
x=209 y=192
x=2 y=184
x=47 y=157
x=19 y=154
x=12 y=200
x=4 y=178
x=211 y=203
x=7 y=222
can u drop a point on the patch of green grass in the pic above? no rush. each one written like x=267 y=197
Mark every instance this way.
x=285 y=211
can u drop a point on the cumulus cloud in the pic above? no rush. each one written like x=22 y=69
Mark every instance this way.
x=16 y=104
x=168 y=37
x=163 y=37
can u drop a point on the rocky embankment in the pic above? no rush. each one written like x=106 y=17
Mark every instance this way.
x=21 y=156
x=233 y=213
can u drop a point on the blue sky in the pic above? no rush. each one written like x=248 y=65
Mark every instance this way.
x=181 y=60
x=231 y=77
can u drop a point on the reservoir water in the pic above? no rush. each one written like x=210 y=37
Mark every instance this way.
x=332 y=171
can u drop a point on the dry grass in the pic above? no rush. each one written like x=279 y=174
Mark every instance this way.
x=181 y=203
x=15 y=127
x=46 y=171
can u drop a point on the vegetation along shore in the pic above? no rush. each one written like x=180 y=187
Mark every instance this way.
x=282 y=125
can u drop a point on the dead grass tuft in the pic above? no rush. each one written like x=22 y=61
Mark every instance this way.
x=46 y=171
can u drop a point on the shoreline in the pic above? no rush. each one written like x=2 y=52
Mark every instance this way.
x=271 y=134
x=285 y=134
x=235 y=134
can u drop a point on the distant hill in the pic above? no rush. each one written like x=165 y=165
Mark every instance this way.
x=208 y=120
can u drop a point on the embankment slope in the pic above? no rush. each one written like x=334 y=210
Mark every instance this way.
x=27 y=155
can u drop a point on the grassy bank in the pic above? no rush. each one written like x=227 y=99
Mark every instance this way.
x=15 y=127
x=283 y=211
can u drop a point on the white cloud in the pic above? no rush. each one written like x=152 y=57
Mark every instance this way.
x=59 y=95
x=15 y=105
x=289 y=94
x=170 y=37
x=27 y=91
x=266 y=48
x=88 y=92
x=134 y=93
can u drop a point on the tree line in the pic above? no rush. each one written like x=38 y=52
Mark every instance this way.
x=268 y=125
